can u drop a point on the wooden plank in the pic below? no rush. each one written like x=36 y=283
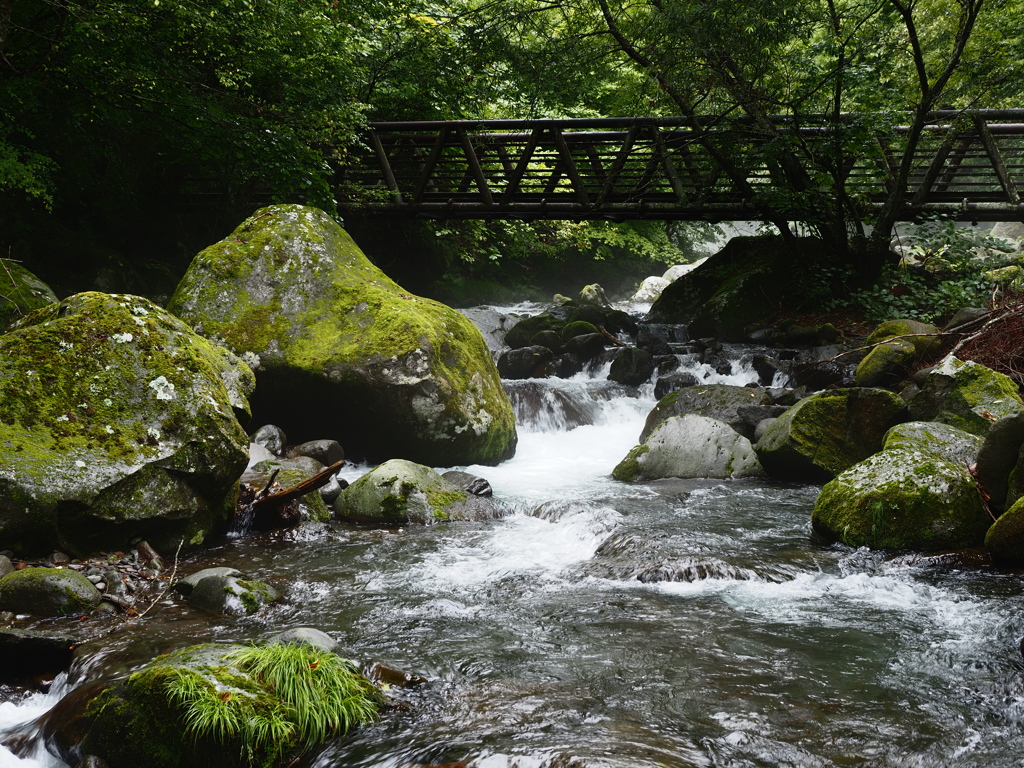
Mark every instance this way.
x=428 y=168
x=621 y=159
x=666 y=162
x=997 y=161
x=935 y=167
x=512 y=187
x=569 y=165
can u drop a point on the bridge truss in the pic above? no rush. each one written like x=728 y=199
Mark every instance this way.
x=968 y=166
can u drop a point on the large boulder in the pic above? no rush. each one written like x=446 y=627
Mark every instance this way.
x=400 y=491
x=48 y=592
x=924 y=336
x=722 y=402
x=1001 y=459
x=216 y=706
x=20 y=293
x=1005 y=539
x=341 y=350
x=828 y=433
x=902 y=499
x=951 y=443
x=690 y=446
x=739 y=286
x=117 y=422
x=886 y=365
x=966 y=395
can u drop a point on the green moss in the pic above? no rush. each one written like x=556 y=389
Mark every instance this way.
x=628 y=469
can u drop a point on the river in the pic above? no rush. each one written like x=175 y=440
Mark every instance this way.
x=600 y=624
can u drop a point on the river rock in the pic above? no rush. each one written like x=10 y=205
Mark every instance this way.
x=327 y=452
x=631 y=366
x=1005 y=538
x=525 y=330
x=230 y=595
x=886 y=365
x=586 y=347
x=400 y=491
x=716 y=401
x=649 y=290
x=272 y=438
x=1000 y=453
x=48 y=592
x=20 y=293
x=594 y=294
x=117 y=422
x=670 y=382
x=828 y=432
x=144 y=719
x=469 y=482
x=308 y=635
x=690 y=446
x=188 y=583
x=523 y=362
x=902 y=499
x=26 y=653
x=396 y=374
x=966 y=395
x=950 y=443
x=924 y=336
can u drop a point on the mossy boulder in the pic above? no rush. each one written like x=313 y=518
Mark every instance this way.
x=47 y=592
x=20 y=293
x=744 y=283
x=924 y=336
x=902 y=499
x=342 y=351
x=886 y=365
x=117 y=422
x=829 y=432
x=966 y=395
x=1000 y=460
x=217 y=706
x=951 y=443
x=399 y=492
x=1005 y=539
x=578 y=328
x=230 y=595
x=290 y=472
x=721 y=402
x=690 y=446
x=523 y=332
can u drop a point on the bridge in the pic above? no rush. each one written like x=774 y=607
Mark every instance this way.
x=968 y=166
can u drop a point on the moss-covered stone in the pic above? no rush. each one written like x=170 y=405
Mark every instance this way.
x=116 y=422
x=1005 y=538
x=951 y=443
x=902 y=499
x=923 y=336
x=343 y=351
x=828 y=433
x=690 y=446
x=523 y=332
x=886 y=365
x=399 y=492
x=965 y=395
x=47 y=592
x=578 y=328
x=716 y=401
x=312 y=507
x=21 y=292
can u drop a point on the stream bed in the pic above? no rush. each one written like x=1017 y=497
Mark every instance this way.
x=601 y=624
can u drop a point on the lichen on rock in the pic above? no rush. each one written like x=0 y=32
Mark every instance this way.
x=116 y=422
x=965 y=395
x=343 y=351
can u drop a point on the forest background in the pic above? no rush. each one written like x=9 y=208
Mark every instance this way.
x=133 y=134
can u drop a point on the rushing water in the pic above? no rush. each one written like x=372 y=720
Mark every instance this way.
x=679 y=623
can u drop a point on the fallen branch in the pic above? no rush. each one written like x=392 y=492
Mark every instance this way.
x=610 y=338
x=883 y=341
x=170 y=583
x=296 y=491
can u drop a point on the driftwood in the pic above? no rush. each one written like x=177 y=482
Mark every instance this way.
x=610 y=337
x=265 y=500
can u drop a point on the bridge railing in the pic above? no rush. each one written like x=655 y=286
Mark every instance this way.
x=970 y=165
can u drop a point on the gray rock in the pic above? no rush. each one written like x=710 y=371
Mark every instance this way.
x=188 y=583
x=230 y=596
x=308 y=635
x=999 y=455
x=522 y=363
x=690 y=446
x=20 y=293
x=966 y=395
x=332 y=490
x=272 y=438
x=594 y=294
x=632 y=366
x=964 y=316
x=48 y=592
x=6 y=566
x=951 y=443
x=717 y=401
x=761 y=428
x=400 y=491
x=327 y=452
x=468 y=482
x=670 y=382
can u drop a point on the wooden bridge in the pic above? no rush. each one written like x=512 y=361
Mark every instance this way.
x=968 y=166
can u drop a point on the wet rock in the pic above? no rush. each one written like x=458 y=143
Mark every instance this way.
x=755 y=414
x=632 y=366
x=690 y=446
x=188 y=583
x=21 y=292
x=594 y=294
x=550 y=339
x=578 y=328
x=586 y=347
x=48 y=592
x=327 y=452
x=272 y=438
x=902 y=499
x=468 y=482
x=536 y=403
x=230 y=595
x=693 y=569
x=400 y=491
x=951 y=443
x=650 y=340
x=291 y=290
x=1005 y=539
x=649 y=290
x=1000 y=453
x=6 y=566
x=382 y=673
x=672 y=381
x=561 y=366
x=923 y=336
x=525 y=330
x=761 y=428
x=767 y=368
x=522 y=363
x=332 y=489
x=117 y=422
x=308 y=635
x=717 y=401
x=29 y=653
x=965 y=395
x=828 y=433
